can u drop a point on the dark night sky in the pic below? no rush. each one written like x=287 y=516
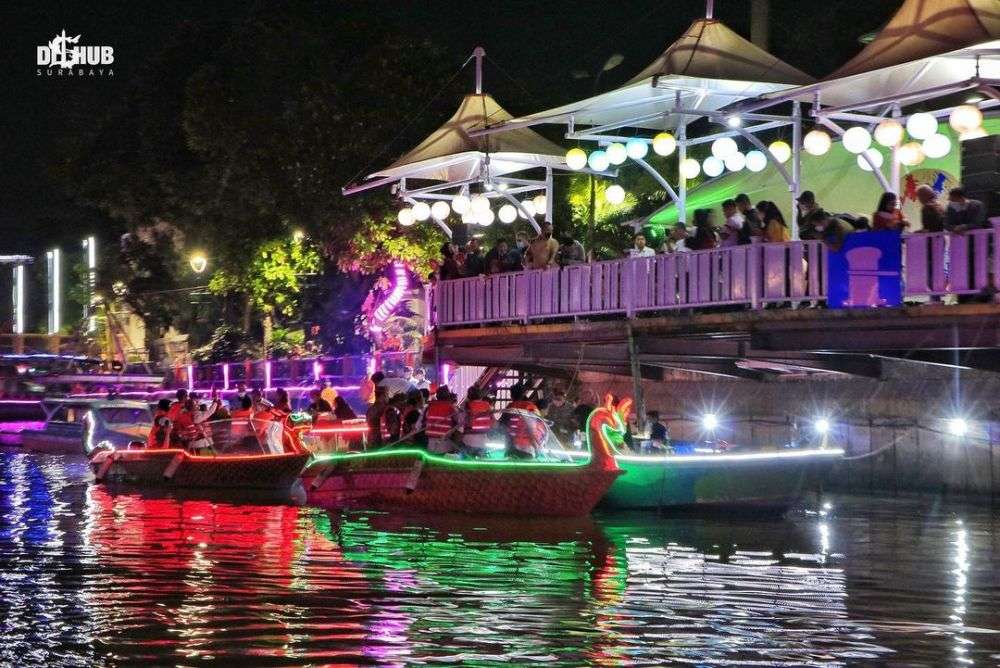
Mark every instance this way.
x=537 y=44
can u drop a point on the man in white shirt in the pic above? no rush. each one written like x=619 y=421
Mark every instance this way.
x=734 y=223
x=641 y=249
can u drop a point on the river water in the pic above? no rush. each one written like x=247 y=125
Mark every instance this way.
x=90 y=577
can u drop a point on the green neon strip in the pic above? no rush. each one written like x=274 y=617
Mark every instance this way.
x=458 y=463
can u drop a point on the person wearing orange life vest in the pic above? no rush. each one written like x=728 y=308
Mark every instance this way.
x=440 y=420
x=159 y=433
x=521 y=432
x=477 y=422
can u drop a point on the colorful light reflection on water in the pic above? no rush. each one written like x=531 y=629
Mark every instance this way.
x=88 y=577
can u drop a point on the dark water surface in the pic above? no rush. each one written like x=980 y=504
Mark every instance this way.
x=88 y=577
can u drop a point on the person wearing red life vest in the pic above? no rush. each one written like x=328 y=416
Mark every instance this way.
x=159 y=433
x=440 y=420
x=520 y=430
x=477 y=423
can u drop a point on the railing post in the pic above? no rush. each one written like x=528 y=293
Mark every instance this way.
x=754 y=274
x=627 y=286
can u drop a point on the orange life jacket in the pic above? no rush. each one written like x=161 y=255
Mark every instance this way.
x=158 y=432
x=439 y=418
x=478 y=417
x=518 y=428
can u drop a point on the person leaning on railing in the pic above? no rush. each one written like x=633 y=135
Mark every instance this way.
x=963 y=213
x=543 y=251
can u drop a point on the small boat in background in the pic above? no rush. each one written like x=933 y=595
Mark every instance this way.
x=77 y=426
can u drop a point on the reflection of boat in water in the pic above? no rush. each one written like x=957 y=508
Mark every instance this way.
x=77 y=426
x=241 y=455
x=415 y=479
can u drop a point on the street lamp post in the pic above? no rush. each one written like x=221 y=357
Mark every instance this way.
x=90 y=313
x=54 y=262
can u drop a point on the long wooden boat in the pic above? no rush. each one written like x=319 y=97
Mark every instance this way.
x=415 y=479
x=243 y=456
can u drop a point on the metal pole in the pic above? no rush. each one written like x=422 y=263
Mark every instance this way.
x=640 y=402
x=549 y=199
x=18 y=299
x=90 y=243
x=709 y=8
x=478 y=54
x=54 y=261
x=681 y=181
x=796 y=166
x=894 y=182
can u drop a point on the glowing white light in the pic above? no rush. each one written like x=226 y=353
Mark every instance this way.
x=756 y=161
x=780 y=150
x=965 y=118
x=616 y=153
x=958 y=426
x=713 y=166
x=724 y=147
x=540 y=204
x=816 y=142
x=876 y=157
x=485 y=218
x=615 y=194
x=460 y=204
x=440 y=210
x=709 y=421
x=910 y=154
x=736 y=162
x=821 y=425
x=479 y=203
x=528 y=206
x=508 y=214
x=936 y=146
x=636 y=149
x=469 y=218
x=405 y=217
x=664 y=144
x=921 y=125
x=598 y=161
x=421 y=211
x=689 y=168
x=734 y=121
x=576 y=158
x=857 y=139
x=889 y=133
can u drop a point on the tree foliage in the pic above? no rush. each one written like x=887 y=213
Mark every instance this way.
x=380 y=242
x=273 y=278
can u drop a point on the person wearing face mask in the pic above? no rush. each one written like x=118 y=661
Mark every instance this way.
x=963 y=213
x=515 y=256
x=543 y=250
x=830 y=229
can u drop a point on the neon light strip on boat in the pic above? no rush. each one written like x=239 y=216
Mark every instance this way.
x=460 y=463
x=750 y=456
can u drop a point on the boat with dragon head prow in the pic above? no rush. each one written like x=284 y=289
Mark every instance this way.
x=552 y=484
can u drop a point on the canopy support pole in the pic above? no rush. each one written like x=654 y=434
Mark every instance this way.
x=682 y=187
x=659 y=179
x=440 y=223
x=478 y=54
x=796 y=166
x=896 y=114
x=520 y=207
x=876 y=171
x=548 y=197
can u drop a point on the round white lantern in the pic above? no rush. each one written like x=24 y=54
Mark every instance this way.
x=936 y=146
x=736 y=162
x=405 y=217
x=485 y=218
x=664 y=144
x=540 y=204
x=780 y=150
x=921 y=125
x=508 y=214
x=875 y=157
x=469 y=217
x=598 y=161
x=479 y=203
x=756 y=161
x=616 y=153
x=615 y=194
x=460 y=204
x=724 y=147
x=712 y=166
x=529 y=206
x=689 y=168
x=910 y=154
x=816 y=142
x=857 y=139
x=965 y=118
x=576 y=158
x=975 y=133
x=636 y=149
x=421 y=211
x=440 y=209
x=889 y=133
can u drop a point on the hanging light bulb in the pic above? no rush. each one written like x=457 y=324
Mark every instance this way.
x=540 y=204
x=405 y=217
x=736 y=162
x=529 y=206
x=616 y=153
x=615 y=194
x=598 y=161
x=724 y=147
x=485 y=218
x=576 y=158
x=921 y=125
x=857 y=139
x=816 y=142
x=876 y=157
x=664 y=144
x=780 y=150
x=910 y=154
x=479 y=203
x=756 y=161
x=689 y=168
x=936 y=146
x=712 y=166
x=460 y=204
x=421 y=211
x=965 y=118
x=636 y=149
x=889 y=133
x=508 y=214
x=469 y=217
x=440 y=210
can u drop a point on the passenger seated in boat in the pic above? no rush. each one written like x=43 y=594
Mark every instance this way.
x=392 y=419
x=659 y=437
x=373 y=417
x=245 y=409
x=523 y=441
x=440 y=422
x=178 y=405
x=412 y=433
x=477 y=421
x=195 y=433
x=159 y=433
x=282 y=406
x=342 y=410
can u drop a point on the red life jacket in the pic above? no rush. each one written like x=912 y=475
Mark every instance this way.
x=439 y=418
x=518 y=428
x=478 y=417
x=158 y=432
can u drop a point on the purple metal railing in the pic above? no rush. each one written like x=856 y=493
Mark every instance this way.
x=753 y=275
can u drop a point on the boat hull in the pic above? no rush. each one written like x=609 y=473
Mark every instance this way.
x=177 y=468
x=754 y=482
x=417 y=481
x=42 y=441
